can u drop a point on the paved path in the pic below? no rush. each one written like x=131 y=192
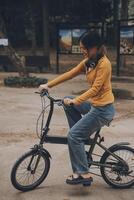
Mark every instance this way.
x=19 y=109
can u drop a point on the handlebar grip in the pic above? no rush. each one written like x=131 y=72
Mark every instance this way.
x=42 y=93
x=44 y=90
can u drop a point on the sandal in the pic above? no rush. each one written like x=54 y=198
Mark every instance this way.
x=79 y=180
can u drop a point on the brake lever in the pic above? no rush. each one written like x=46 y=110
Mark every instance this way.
x=42 y=93
x=49 y=97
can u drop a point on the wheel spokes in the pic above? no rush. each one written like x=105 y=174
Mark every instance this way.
x=118 y=174
x=30 y=170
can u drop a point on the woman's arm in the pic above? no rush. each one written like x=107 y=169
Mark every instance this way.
x=67 y=75
x=101 y=75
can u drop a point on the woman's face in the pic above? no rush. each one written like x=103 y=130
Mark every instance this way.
x=88 y=53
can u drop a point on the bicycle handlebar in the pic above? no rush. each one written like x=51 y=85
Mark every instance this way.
x=46 y=93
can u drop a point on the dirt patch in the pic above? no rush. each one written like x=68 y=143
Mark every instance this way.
x=8 y=138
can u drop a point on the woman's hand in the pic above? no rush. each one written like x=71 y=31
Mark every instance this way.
x=68 y=101
x=43 y=87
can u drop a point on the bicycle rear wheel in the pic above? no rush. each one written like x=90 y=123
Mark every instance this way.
x=119 y=175
x=30 y=170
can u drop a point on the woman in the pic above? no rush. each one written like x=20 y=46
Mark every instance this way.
x=91 y=110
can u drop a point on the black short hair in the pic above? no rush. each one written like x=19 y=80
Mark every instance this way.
x=91 y=39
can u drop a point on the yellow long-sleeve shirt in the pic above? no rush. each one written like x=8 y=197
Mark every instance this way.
x=99 y=79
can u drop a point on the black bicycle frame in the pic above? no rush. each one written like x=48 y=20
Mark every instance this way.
x=63 y=140
x=60 y=139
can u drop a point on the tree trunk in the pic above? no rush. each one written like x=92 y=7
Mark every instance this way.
x=46 y=31
x=32 y=6
x=124 y=15
x=124 y=9
x=115 y=16
x=33 y=35
x=17 y=60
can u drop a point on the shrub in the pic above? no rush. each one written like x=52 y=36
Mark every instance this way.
x=16 y=81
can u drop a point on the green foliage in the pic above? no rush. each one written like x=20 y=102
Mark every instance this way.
x=24 y=81
x=122 y=93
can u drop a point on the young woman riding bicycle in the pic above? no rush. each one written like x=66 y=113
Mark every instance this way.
x=95 y=106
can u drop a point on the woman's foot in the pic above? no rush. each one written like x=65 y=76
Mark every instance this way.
x=84 y=179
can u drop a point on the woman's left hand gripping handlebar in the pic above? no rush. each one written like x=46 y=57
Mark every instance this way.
x=43 y=87
x=68 y=101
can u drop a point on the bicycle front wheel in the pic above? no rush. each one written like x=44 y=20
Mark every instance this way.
x=30 y=170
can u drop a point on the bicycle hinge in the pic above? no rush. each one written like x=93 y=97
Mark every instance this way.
x=101 y=139
x=46 y=129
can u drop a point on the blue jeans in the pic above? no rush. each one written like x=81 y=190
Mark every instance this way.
x=83 y=121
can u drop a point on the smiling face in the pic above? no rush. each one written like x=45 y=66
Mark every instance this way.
x=88 y=53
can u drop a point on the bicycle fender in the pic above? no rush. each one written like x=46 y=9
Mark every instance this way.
x=119 y=144
x=113 y=147
x=44 y=151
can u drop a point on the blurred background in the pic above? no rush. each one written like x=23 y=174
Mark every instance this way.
x=38 y=41
x=33 y=29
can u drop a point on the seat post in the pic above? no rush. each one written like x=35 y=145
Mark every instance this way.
x=94 y=141
x=98 y=131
